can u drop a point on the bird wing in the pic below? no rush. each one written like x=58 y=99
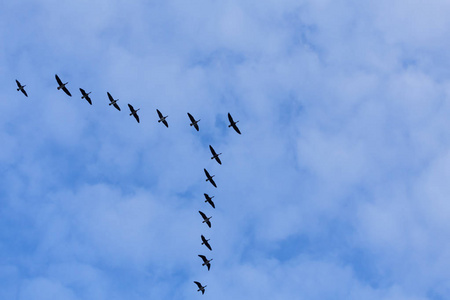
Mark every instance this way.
x=208 y=246
x=230 y=118
x=159 y=114
x=196 y=126
x=198 y=284
x=212 y=182
x=207 y=174
x=218 y=160
x=19 y=85
x=189 y=115
x=136 y=116
x=236 y=128
x=131 y=107
x=165 y=123
x=83 y=92
x=88 y=99
x=212 y=150
x=203 y=291
x=202 y=214
x=58 y=80
x=66 y=91
x=116 y=106
x=202 y=257
x=212 y=203
x=208 y=223
x=111 y=99
x=208 y=265
x=24 y=92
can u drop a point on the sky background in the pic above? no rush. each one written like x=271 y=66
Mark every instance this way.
x=338 y=187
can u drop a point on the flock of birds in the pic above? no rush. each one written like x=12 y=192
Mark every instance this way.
x=162 y=118
x=133 y=112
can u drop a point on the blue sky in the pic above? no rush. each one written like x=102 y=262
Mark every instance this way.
x=336 y=189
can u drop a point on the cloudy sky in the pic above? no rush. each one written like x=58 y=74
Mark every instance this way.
x=337 y=188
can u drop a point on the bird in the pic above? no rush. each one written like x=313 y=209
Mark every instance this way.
x=205 y=242
x=113 y=102
x=200 y=287
x=233 y=124
x=193 y=121
x=161 y=118
x=209 y=200
x=62 y=85
x=205 y=219
x=21 y=88
x=215 y=155
x=210 y=178
x=206 y=262
x=85 y=96
x=134 y=112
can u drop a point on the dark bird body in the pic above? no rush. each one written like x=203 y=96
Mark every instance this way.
x=21 y=88
x=85 y=96
x=205 y=242
x=205 y=219
x=233 y=124
x=200 y=287
x=162 y=118
x=209 y=200
x=210 y=178
x=62 y=85
x=193 y=121
x=215 y=155
x=113 y=102
x=206 y=262
x=134 y=112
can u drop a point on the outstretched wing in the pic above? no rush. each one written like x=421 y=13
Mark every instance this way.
x=24 y=92
x=208 y=265
x=212 y=182
x=198 y=284
x=212 y=203
x=208 y=246
x=88 y=99
x=136 y=117
x=19 y=85
x=58 y=80
x=236 y=128
x=218 y=160
x=202 y=214
x=66 y=91
x=196 y=126
x=159 y=114
x=230 y=118
x=207 y=174
x=165 y=123
x=116 y=106
x=111 y=99
x=189 y=115
x=83 y=92
x=202 y=257
x=208 y=223
x=212 y=150
x=131 y=107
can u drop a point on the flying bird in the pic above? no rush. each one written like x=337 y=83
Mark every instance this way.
x=21 y=88
x=113 y=102
x=206 y=262
x=215 y=155
x=62 y=86
x=210 y=178
x=162 y=118
x=233 y=124
x=134 y=112
x=85 y=96
x=200 y=287
x=205 y=242
x=193 y=121
x=205 y=219
x=209 y=200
